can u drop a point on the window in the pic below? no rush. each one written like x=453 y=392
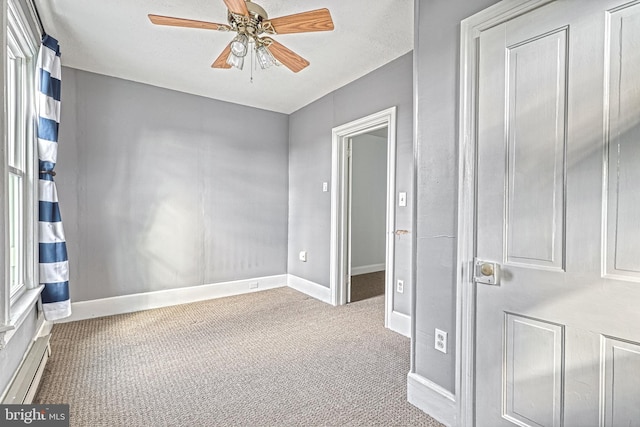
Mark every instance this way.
x=17 y=132
x=19 y=169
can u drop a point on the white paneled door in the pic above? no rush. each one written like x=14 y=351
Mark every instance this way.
x=558 y=217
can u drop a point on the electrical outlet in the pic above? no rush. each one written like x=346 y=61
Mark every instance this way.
x=303 y=256
x=441 y=341
x=325 y=187
x=253 y=285
x=400 y=286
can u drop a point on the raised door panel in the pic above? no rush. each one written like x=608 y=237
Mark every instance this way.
x=620 y=404
x=533 y=371
x=623 y=148
x=536 y=145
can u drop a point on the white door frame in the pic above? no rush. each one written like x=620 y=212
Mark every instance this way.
x=339 y=264
x=465 y=288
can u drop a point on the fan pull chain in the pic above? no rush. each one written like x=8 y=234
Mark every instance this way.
x=253 y=52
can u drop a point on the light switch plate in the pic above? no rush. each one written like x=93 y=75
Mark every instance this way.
x=402 y=199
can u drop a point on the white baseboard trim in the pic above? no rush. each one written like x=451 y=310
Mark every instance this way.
x=400 y=323
x=148 y=300
x=45 y=327
x=367 y=269
x=432 y=399
x=310 y=288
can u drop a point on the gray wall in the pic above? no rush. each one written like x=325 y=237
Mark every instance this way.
x=368 y=200
x=160 y=189
x=437 y=50
x=310 y=165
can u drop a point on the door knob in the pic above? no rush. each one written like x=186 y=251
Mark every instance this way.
x=486 y=272
x=486 y=269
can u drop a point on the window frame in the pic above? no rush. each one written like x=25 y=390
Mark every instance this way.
x=19 y=39
x=17 y=165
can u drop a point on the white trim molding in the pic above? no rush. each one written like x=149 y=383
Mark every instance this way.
x=432 y=399
x=165 y=298
x=339 y=255
x=19 y=313
x=310 y=288
x=470 y=29
x=149 y=300
x=400 y=323
x=365 y=269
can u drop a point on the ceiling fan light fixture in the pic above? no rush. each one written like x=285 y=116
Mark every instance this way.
x=250 y=22
x=265 y=58
x=239 y=45
x=235 y=61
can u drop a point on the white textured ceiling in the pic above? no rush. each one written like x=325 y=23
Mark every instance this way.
x=115 y=38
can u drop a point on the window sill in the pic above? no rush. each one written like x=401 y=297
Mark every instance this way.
x=19 y=311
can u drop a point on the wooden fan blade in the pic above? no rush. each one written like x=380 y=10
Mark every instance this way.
x=189 y=23
x=314 y=20
x=287 y=57
x=221 y=61
x=237 y=6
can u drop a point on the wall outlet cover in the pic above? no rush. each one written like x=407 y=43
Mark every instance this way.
x=440 y=341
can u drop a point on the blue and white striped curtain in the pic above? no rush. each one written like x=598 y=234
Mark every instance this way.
x=54 y=264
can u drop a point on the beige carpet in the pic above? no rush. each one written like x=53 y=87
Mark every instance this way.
x=271 y=358
x=365 y=286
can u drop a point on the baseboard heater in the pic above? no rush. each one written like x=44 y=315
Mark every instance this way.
x=25 y=385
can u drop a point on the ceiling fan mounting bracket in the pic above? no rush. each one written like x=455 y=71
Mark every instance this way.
x=243 y=24
x=250 y=24
x=257 y=11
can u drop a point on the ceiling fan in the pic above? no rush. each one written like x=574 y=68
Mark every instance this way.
x=252 y=24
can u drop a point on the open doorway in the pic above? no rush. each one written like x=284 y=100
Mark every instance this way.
x=367 y=214
x=340 y=262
